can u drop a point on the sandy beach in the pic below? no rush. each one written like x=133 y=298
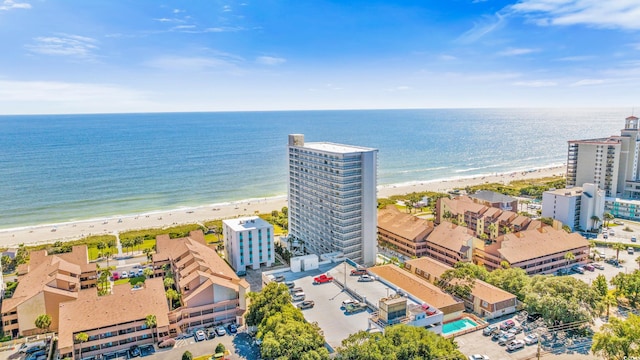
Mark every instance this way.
x=74 y=230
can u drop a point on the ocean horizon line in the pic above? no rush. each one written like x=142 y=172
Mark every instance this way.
x=159 y=211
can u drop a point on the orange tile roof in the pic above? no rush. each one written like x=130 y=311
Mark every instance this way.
x=481 y=289
x=538 y=242
x=422 y=289
x=91 y=311
x=450 y=236
x=405 y=225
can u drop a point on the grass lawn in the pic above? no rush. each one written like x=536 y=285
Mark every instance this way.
x=212 y=238
x=203 y=357
x=132 y=281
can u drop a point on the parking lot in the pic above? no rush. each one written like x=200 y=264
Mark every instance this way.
x=558 y=346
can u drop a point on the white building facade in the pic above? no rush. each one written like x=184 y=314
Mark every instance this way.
x=333 y=198
x=575 y=206
x=248 y=242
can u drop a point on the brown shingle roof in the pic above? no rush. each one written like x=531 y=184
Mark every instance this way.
x=405 y=225
x=538 y=242
x=481 y=289
x=91 y=311
x=420 y=288
x=450 y=236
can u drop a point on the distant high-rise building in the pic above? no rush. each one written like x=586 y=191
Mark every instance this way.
x=575 y=207
x=611 y=163
x=332 y=198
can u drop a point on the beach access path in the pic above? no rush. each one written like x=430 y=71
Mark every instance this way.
x=41 y=234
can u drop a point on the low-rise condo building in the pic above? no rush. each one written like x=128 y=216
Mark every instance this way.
x=496 y=200
x=402 y=232
x=575 y=207
x=211 y=292
x=113 y=322
x=43 y=284
x=485 y=299
x=450 y=243
x=248 y=242
x=541 y=250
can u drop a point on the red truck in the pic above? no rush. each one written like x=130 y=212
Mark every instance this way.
x=322 y=279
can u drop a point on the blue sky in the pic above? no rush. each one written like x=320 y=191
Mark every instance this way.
x=79 y=56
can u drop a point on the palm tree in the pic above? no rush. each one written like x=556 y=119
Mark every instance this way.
x=43 y=322
x=569 y=256
x=107 y=254
x=80 y=338
x=101 y=246
x=505 y=264
x=147 y=252
x=608 y=301
x=172 y=295
x=138 y=241
x=147 y=272
x=493 y=228
x=151 y=322
x=638 y=261
x=595 y=220
x=168 y=282
x=607 y=218
x=111 y=244
x=617 y=247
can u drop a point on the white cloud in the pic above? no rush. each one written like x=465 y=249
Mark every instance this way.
x=182 y=27
x=64 y=45
x=446 y=57
x=399 y=88
x=480 y=29
x=517 y=51
x=178 y=11
x=226 y=8
x=223 y=29
x=536 y=83
x=620 y=14
x=270 y=60
x=587 y=82
x=576 y=58
x=11 y=4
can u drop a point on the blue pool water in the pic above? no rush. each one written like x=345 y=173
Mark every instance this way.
x=457 y=326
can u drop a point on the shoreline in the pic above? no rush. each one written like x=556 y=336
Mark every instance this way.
x=72 y=230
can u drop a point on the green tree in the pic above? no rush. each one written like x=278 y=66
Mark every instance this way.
x=151 y=322
x=81 y=338
x=617 y=247
x=147 y=272
x=607 y=302
x=285 y=211
x=513 y=280
x=101 y=245
x=400 y=342
x=493 y=230
x=600 y=285
x=148 y=253
x=137 y=242
x=562 y=299
x=458 y=281
x=607 y=218
x=595 y=220
x=172 y=296
x=187 y=355
x=168 y=282
x=220 y=348
x=569 y=256
x=638 y=261
x=43 y=322
x=618 y=339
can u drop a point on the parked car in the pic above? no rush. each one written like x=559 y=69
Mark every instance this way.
x=578 y=269
x=134 y=351
x=633 y=239
x=478 y=357
x=290 y=284
x=278 y=278
x=347 y=302
x=533 y=317
x=306 y=305
x=220 y=331
x=531 y=339
x=38 y=355
x=322 y=279
x=200 y=335
x=366 y=278
x=299 y=296
x=507 y=325
x=295 y=290
x=232 y=328
x=515 y=345
x=506 y=338
x=489 y=330
x=358 y=272
x=355 y=308
x=618 y=222
x=516 y=329
x=115 y=276
x=498 y=334
x=612 y=233
x=211 y=333
x=589 y=267
x=598 y=266
x=605 y=236
x=124 y=275
x=630 y=250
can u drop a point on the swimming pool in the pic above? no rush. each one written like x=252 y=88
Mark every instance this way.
x=457 y=326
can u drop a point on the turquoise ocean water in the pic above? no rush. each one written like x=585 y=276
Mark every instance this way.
x=56 y=168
